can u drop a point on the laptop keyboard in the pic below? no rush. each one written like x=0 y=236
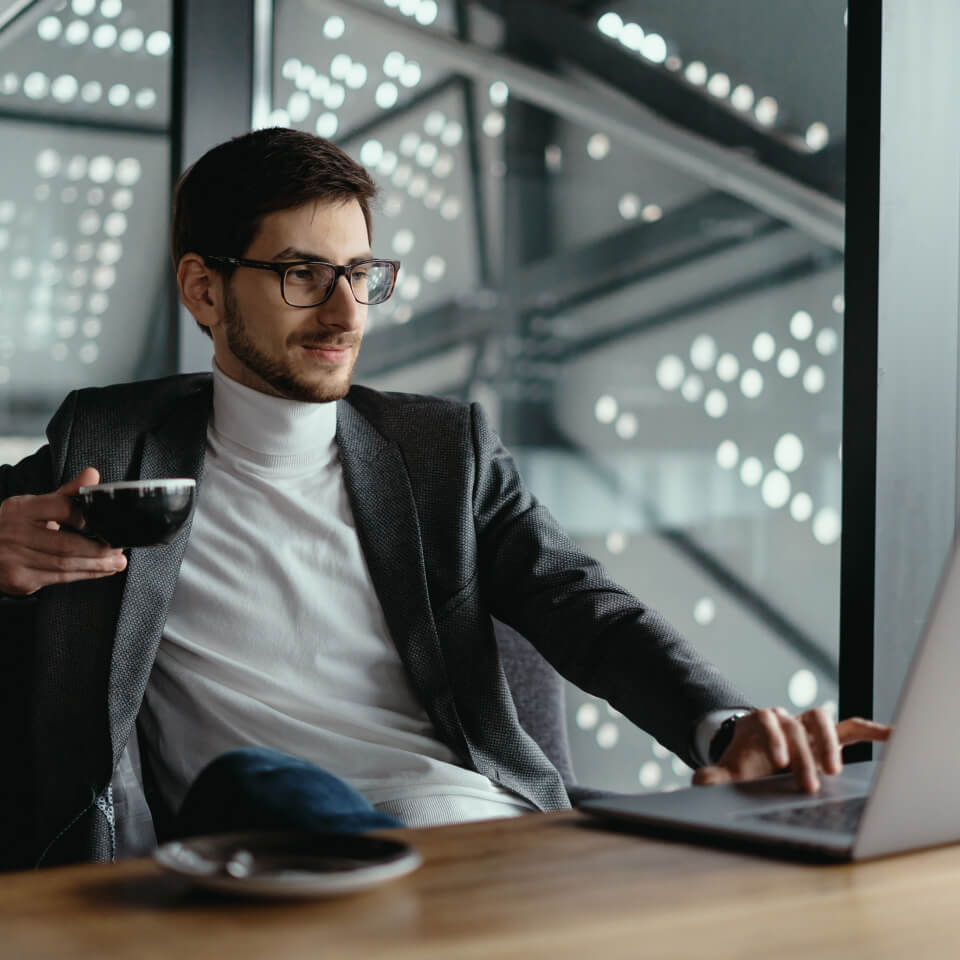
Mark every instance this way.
x=840 y=816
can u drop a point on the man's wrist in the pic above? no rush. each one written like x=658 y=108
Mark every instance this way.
x=709 y=727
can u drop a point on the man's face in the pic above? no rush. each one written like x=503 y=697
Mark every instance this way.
x=303 y=354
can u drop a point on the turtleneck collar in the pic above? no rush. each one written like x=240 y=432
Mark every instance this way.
x=271 y=426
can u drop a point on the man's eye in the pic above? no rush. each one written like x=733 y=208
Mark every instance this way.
x=361 y=274
x=304 y=274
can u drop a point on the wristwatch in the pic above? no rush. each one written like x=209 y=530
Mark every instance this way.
x=721 y=739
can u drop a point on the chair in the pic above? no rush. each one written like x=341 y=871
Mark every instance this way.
x=539 y=694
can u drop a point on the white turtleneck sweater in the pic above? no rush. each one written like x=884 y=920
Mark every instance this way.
x=275 y=636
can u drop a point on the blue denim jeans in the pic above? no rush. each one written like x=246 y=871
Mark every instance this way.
x=257 y=788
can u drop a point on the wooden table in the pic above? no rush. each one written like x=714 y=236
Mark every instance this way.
x=543 y=885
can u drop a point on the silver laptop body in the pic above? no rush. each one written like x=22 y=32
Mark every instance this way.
x=907 y=800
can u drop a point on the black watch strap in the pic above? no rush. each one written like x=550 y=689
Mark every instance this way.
x=723 y=736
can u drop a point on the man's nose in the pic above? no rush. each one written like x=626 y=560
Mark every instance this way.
x=342 y=307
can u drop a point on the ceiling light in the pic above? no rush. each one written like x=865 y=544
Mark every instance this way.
x=728 y=455
x=131 y=40
x=817 y=136
x=598 y=146
x=411 y=74
x=764 y=347
x=158 y=43
x=775 y=490
x=393 y=63
x=801 y=325
x=751 y=384
x=814 y=379
x=788 y=452
x=629 y=206
x=827 y=342
x=742 y=97
x=801 y=507
x=692 y=388
x=766 y=111
x=386 y=95
x=751 y=472
x=728 y=368
x=610 y=25
x=703 y=352
x=334 y=28
x=670 y=372
x=49 y=28
x=788 y=363
x=48 y=163
x=719 y=85
x=715 y=404
x=426 y=12
x=606 y=409
x=327 y=125
x=626 y=426
x=654 y=48
x=631 y=36
x=696 y=73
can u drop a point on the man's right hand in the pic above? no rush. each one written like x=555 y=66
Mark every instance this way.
x=35 y=552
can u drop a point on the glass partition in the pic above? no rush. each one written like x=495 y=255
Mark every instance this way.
x=84 y=199
x=621 y=230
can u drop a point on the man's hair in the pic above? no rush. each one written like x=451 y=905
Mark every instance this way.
x=219 y=201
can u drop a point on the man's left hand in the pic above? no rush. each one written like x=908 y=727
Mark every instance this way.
x=773 y=741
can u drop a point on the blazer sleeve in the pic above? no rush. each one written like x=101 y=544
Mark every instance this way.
x=40 y=472
x=593 y=631
x=37 y=474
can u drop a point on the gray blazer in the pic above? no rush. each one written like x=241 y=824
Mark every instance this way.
x=452 y=538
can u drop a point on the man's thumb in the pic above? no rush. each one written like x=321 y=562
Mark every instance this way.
x=85 y=478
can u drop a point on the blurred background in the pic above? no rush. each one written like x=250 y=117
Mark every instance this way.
x=621 y=227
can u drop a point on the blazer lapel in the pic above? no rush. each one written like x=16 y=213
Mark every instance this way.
x=174 y=449
x=381 y=498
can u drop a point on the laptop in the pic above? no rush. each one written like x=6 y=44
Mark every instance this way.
x=908 y=799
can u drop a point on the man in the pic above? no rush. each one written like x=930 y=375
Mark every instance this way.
x=316 y=648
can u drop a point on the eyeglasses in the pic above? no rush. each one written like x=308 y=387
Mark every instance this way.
x=308 y=283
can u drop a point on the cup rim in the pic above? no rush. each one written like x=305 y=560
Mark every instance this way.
x=166 y=483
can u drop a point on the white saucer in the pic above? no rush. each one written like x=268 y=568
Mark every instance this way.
x=283 y=865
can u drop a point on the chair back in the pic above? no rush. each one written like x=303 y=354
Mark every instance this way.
x=539 y=695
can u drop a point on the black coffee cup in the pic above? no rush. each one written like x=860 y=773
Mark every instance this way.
x=136 y=513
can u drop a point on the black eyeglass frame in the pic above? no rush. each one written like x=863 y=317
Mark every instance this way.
x=280 y=268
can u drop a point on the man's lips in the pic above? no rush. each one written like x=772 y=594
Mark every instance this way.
x=328 y=347
x=329 y=351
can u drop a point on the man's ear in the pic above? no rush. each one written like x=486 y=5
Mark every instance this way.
x=201 y=289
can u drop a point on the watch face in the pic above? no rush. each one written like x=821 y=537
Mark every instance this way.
x=721 y=739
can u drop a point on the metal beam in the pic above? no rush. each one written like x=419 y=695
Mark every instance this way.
x=686 y=234
x=576 y=41
x=691 y=249
x=422 y=98
x=446 y=326
x=90 y=124
x=14 y=10
x=716 y=166
x=805 y=266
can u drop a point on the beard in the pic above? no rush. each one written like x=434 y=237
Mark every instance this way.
x=278 y=373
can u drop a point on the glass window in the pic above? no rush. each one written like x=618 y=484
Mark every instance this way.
x=84 y=198
x=621 y=232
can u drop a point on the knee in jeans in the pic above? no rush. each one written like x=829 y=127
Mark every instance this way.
x=246 y=760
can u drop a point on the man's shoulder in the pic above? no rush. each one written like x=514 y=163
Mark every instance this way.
x=392 y=407
x=145 y=399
